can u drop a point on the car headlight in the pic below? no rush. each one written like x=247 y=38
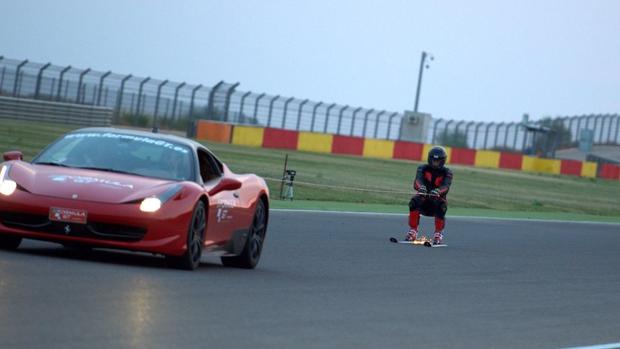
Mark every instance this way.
x=7 y=186
x=150 y=205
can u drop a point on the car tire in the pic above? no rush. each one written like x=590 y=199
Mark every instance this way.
x=253 y=248
x=9 y=242
x=190 y=260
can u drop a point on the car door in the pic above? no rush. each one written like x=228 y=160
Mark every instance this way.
x=223 y=206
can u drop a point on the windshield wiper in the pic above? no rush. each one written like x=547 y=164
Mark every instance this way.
x=106 y=170
x=51 y=163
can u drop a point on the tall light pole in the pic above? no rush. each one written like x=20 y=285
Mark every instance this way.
x=422 y=66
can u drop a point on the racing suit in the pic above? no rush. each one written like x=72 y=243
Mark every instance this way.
x=430 y=205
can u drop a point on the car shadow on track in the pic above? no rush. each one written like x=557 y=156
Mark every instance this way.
x=106 y=256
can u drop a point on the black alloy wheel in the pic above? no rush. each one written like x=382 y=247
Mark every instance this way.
x=253 y=248
x=190 y=260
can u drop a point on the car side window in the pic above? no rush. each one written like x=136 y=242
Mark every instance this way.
x=208 y=166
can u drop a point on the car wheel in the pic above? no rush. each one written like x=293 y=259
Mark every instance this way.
x=254 y=244
x=190 y=260
x=8 y=242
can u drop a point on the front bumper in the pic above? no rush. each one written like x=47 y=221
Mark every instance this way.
x=121 y=226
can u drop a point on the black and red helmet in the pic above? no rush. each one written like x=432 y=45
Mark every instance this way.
x=437 y=153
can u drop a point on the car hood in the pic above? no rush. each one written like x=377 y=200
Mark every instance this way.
x=88 y=185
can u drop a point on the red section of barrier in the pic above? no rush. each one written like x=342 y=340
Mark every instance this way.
x=510 y=160
x=280 y=139
x=571 y=167
x=408 y=150
x=348 y=145
x=462 y=156
x=609 y=171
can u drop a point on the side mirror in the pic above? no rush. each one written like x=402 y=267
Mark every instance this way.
x=13 y=155
x=225 y=184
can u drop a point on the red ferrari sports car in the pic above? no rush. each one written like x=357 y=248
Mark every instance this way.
x=133 y=190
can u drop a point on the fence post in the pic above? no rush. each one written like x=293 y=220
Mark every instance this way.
x=501 y=124
x=273 y=100
x=387 y=136
x=210 y=111
x=191 y=103
x=79 y=91
x=353 y=121
x=62 y=74
x=486 y=134
x=445 y=130
x=19 y=67
x=39 y=77
x=469 y=124
x=606 y=116
x=176 y=99
x=525 y=134
x=101 y=86
x=119 y=98
x=301 y=106
x=435 y=127
x=377 y=123
x=2 y=79
x=256 y=105
x=161 y=85
x=327 y=117
x=570 y=128
x=506 y=135
x=617 y=128
x=340 y=118
x=241 y=116
x=476 y=133
x=579 y=126
x=611 y=121
x=596 y=118
x=316 y=106
x=366 y=121
x=227 y=103
x=456 y=130
x=139 y=105
x=286 y=103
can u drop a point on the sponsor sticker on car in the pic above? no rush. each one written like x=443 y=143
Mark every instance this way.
x=69 y=215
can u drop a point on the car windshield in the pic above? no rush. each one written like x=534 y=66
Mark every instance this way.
x=123 y=153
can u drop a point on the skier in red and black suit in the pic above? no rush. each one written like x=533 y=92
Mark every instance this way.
x=432 y=183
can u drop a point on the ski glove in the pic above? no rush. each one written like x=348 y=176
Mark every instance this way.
x=435 y=192
x=422 y=189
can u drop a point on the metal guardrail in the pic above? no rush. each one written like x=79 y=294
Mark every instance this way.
x=46 y=111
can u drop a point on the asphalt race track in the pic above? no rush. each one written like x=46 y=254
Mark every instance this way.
x=328 y=280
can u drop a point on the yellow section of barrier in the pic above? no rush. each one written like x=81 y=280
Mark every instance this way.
x=378 y=148
x=250 y=136
x=588 y=169
x=487 y=158
x=428 y=147
x=534 y=164
x=315 y=142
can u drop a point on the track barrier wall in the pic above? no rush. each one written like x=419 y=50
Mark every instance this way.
x=387 y=149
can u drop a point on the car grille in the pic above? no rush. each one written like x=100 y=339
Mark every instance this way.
x=42 y=224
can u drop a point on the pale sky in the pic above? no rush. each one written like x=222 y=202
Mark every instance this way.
x=494 y=60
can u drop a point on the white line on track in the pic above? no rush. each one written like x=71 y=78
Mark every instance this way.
x=449 y=217
x=601 y=346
